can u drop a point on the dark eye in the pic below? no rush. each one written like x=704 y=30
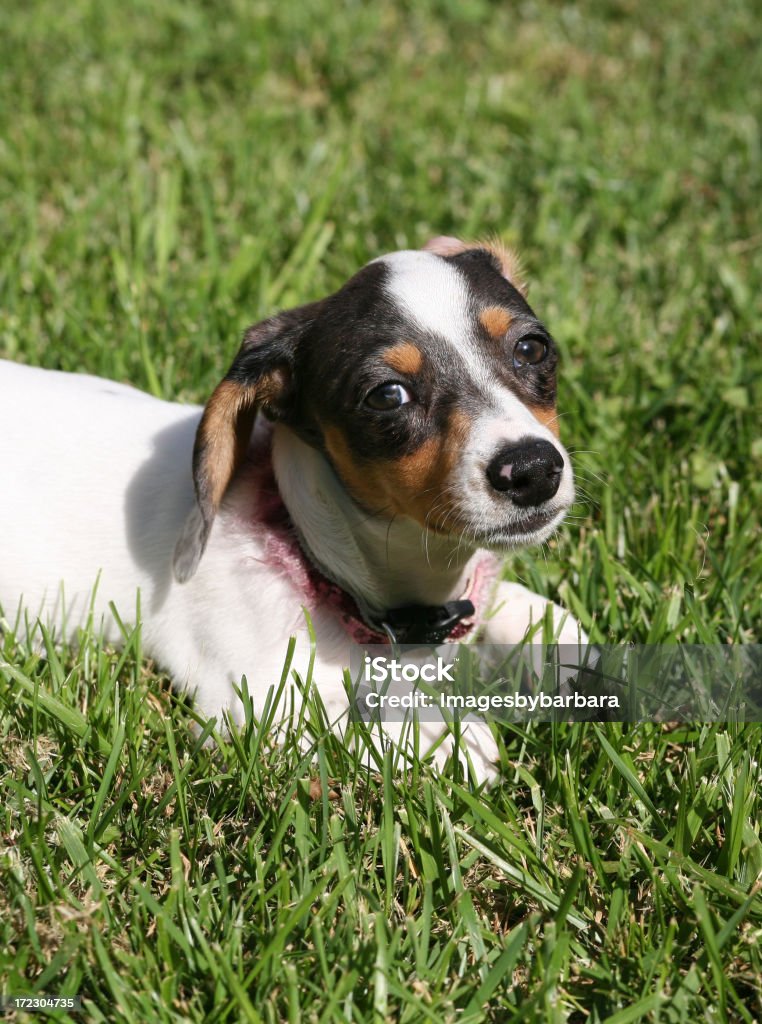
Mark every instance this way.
x=388 y=396
x=529 y=351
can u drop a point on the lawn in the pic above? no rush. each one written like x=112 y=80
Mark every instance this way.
x=170 y=173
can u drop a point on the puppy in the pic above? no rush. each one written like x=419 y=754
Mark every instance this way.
x=365 y=458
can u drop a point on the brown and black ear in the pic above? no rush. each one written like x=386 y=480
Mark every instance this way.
x=510 y=264
x=261 y=377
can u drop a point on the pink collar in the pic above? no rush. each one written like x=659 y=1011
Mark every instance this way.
x=283 y=552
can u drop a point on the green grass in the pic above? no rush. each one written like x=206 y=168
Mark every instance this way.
x=170 y=173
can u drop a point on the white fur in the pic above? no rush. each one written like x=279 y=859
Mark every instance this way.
x=434 y=295
x=96 y=485
x=486 y=509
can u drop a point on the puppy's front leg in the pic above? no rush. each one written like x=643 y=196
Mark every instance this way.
x=516 y=610
x=521 y=616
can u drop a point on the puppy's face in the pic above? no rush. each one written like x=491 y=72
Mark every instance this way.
x=429 y=384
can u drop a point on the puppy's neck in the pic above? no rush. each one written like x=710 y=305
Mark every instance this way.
x=383 y=564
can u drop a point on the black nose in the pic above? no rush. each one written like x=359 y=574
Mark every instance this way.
x=529 y=472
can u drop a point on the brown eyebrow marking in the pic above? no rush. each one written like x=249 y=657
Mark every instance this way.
x=405 y=358
x=495 y=320
x=547 y=415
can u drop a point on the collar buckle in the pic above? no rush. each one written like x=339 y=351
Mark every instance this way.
x=425 y=624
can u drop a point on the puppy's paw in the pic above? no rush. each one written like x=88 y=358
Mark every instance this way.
x=475 y=749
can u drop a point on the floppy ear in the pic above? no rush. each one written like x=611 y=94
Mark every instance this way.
x=259 y=378
x=510 y=265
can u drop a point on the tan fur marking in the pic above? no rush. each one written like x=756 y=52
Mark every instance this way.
x=218 y=436
x=510 y=264
x=547 y=416
x=405 y=358
x=225 y=430
x=345 y=465
x=495 y=320
x=417 y=485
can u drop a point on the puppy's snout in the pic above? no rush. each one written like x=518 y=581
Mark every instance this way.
x=528 y=472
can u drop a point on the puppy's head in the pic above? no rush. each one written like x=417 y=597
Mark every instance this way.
x=428 y=383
